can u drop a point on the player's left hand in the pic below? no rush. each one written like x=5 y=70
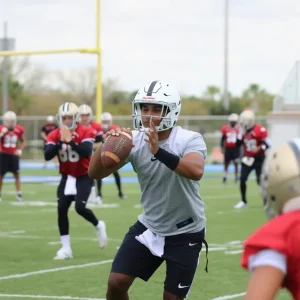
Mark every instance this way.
x=152 y=140
x=18 y=152
x=66 y=135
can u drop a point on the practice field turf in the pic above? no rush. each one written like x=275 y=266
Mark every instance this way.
x=29 y=240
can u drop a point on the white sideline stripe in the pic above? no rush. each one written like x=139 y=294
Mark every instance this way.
x=48 y=297
x=56 y=269
x=234 y=252
x=230 y=296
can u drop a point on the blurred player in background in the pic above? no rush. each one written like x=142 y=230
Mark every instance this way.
x=229 y=145
x=107 y=125
x=255 y=141
x=272 y=253
x=86 y=116
x=73 y=144
x=48 y=127
x=169 y=162
x=10 y=135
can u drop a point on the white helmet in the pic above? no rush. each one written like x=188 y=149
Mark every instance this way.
x=233 y=118
x=161 y=93
x=68 y=109
x=50 y=119
x=107 y=118
x=247 y=119
x=280 y=179
x=85 y=109
x=9 y=119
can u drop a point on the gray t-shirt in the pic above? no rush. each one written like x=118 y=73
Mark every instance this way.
x=170 y=201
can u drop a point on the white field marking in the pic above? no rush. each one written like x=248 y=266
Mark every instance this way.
x=18 y=232
x=216 y=249
x=8 y=235
x=110 y=240
x=137 y=206
x=235 y=242
x=47 y=297
x=230 y=296
x=234 y=252
x=14 y=193
x=56 y=269
x=43 y=203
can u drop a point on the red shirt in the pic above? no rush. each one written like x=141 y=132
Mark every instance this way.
x=113 y=126
x=9 y=142
x=70 y=162
x=230 y=134
x=281 y=234
x=254 y=138
x=97 y=127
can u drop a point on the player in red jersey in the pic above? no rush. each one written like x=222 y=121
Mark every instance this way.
x=86 y=116
x=107 y=125
x=10 y=135
x=73 y=144
x=229 y=147
x=46 y=129
x=272 y=253
x=255 y=141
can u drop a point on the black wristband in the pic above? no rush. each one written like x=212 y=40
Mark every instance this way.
x=167 y=158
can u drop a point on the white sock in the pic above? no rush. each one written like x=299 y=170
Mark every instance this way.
x=225 y=175
x=65 y=240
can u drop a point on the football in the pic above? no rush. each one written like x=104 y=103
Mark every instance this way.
x=115 y=149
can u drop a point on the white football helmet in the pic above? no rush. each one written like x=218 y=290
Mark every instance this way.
x=280 y=179
x=247 y=119
x=10 y=119
x=106 y=120
x=161 y=93
x=85 y=109
x=50 y=119
x=233 y=118
x=68 y=109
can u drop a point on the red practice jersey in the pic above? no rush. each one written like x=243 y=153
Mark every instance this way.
x=282 y=235
x=9 y=142
x=70 y=162
x=253 y=139
x=97 y=127
x=113 y=126
x=230 y=134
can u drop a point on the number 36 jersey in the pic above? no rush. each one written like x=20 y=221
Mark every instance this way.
x=70 y=162
x=9 y=142
x=254 y=138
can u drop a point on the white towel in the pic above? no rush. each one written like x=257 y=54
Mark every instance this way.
x=70 y=188
x=153 y=242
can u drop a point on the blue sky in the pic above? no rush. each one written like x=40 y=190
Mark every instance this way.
x=175 y=40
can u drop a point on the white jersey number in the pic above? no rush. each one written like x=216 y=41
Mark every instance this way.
x=67 y=154
x=231 y=137
x=250 y=144
x=10 y=141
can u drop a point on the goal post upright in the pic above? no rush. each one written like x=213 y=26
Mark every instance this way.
x=96 y=50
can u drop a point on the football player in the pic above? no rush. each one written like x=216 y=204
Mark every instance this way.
x=272 y=252
x=228 y=145
x=107 y=124
x=169 y=162
x=10 y=135
x=46 y=129
x=73 y=144
x=255 y=141
x=86 y=117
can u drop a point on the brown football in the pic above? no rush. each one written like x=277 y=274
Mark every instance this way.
x=115 y=149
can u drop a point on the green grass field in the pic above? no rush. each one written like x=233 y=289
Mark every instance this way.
x=29 y=240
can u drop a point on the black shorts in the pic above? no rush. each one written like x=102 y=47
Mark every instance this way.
x=9 y=163
x=83 y=187
x=181 y=253
x=257 y=166
x=231 y=154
